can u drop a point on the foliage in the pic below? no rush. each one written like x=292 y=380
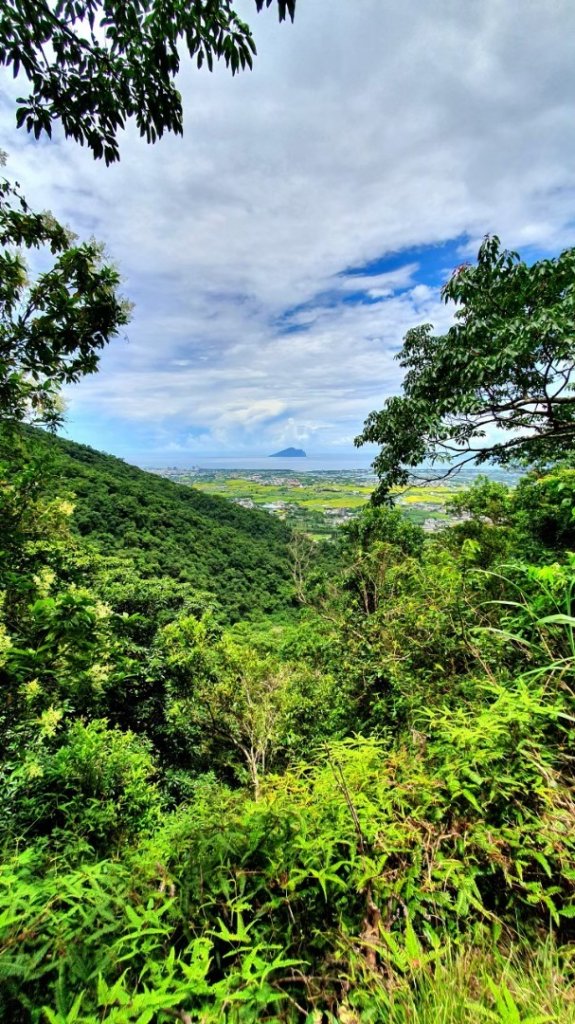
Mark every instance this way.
x=359 y=808
x=506 y=364
x=385 y=525
x=234 y=558
x=485 y=498
x=87 y=786
x=53 y=327
x=543 y=507
x=362 y=864
x=227 y=695
x=94 y=64
x=538 y=513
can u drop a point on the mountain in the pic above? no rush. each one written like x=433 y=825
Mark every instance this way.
x=168 y=529
x=289 y=453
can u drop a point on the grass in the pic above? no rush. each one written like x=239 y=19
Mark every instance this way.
x=520 y=985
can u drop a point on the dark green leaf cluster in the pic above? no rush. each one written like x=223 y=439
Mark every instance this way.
x=94 y=64
x=52 y=328
x=505 y=366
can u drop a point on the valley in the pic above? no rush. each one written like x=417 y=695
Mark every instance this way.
x=315 y=502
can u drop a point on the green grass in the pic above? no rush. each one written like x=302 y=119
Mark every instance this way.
x=467 y=985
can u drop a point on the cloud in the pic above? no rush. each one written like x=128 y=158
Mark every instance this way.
x=280 y=250
x=379 y=286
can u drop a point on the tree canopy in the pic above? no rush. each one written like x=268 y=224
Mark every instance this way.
x=93 y=64
x=53 y=325
x=498 y=386
x=168 y=532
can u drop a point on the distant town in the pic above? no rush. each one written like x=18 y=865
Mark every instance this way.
x=316 y=503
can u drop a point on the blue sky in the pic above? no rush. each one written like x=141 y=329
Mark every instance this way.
x=277 y=254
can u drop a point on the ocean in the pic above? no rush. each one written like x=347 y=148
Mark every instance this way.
x=358 y=464
x=310 y=464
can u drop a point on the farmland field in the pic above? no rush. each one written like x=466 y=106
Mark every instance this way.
x=314 y=502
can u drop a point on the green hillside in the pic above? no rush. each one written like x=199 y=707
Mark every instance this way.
x=169 y=530
x=358 y=813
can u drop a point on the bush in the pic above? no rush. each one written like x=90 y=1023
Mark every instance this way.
x=90 y=786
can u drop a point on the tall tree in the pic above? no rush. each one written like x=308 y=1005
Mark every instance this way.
x=498 y=386
x=52 y=325
x=93 y=64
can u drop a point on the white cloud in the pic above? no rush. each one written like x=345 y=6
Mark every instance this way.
x=365 y=129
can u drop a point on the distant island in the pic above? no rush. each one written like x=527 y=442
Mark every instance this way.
x=289 y=453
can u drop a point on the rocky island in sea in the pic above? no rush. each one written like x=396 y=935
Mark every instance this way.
x=289 y=453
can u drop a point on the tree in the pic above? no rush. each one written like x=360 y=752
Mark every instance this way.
x=243 y=707
x=506 y=367
x=93 y=64
x=222 y=694
x=381 y=526
x=53 y=327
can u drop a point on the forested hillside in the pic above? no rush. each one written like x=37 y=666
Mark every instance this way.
x=364 y=813
x=244 y=777
x=241 y=558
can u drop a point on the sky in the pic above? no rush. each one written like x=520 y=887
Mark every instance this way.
x=278 y=252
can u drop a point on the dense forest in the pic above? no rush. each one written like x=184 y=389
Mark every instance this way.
x=356 y=807
x=242 y=560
